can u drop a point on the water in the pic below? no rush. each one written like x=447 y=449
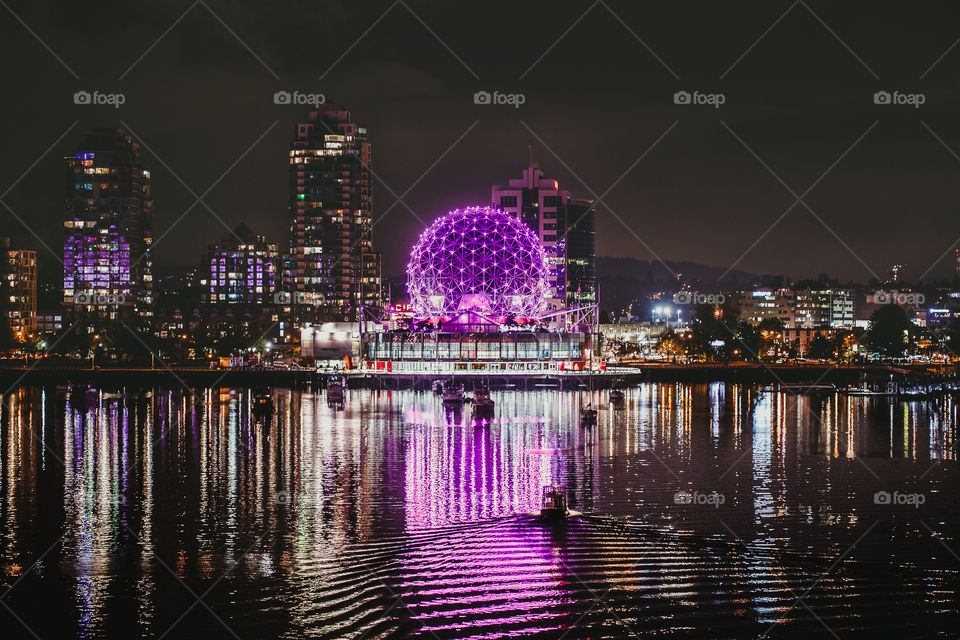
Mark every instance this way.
x=709 y=511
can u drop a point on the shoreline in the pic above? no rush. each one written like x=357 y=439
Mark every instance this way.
x=741 y=373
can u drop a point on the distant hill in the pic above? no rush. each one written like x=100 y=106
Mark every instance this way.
x=623 y=280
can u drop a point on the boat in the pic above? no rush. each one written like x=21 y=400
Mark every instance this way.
x=262 y=404
x=553 y=504
x=617 y=396
x=588 y=416
x=482 y=405
x=452 y=393
x=438 y=387
x=336 y=388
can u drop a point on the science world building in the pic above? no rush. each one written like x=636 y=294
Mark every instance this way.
x=477 y=281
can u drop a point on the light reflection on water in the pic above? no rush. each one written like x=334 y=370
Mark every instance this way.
x=392 y=515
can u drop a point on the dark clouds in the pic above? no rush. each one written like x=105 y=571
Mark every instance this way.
x=598 y=99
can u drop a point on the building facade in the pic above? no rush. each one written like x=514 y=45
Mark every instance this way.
x=565 y=227
x=240 y=269
x=800 y=338
x=476 y=352
x=332 y=261
x=801 y=309
x=108 y=267
x=580 y=249
x=20 y=290
x=824 y=308
x=49 y=321
x=767 y=304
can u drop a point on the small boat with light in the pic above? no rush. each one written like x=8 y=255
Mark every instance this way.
x=336 y=388
x=262 y=404
x=588 y=416
x=482 y=405
x=553 y=505
x=452 y=393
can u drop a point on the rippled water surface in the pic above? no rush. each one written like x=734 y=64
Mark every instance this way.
x=708 y=511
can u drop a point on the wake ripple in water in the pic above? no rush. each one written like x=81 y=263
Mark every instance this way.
x=598 y=577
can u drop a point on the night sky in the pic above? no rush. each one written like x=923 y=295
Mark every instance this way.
x=689 y=182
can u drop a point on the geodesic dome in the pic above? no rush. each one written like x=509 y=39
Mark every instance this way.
x=478 y=259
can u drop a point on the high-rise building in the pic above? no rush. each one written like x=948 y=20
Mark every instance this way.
x=19 y=290
x=580 y=249
x=108 y=267
x=331 y=214
x=240 y=269
x=565 y=226
x=540 y=204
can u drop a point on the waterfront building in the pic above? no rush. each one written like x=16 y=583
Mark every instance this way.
x=19 y=288
x=477 y=281
x=107 y=262
x=565 y=228
x=761 y=304
x=240 y=269
x=803 y=309
x=332 y=261
x=330 y=344
x=641 y=334
x=824 y=308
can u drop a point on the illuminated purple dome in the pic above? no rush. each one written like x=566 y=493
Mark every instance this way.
x=479 y=259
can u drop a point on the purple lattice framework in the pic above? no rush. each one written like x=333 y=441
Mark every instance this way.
x=477 y=259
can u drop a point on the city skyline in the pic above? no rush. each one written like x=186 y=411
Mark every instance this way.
x=886 y=169
x=885 y=274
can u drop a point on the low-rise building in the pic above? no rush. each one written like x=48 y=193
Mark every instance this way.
x=240 y=269
x=49 y=321
x=800 y=338
x=639 y=333
x=764 y=304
